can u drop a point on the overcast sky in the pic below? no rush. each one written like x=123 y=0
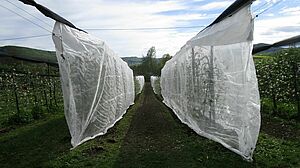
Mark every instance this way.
x=279 y=22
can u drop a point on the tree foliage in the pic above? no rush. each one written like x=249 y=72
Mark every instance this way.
x=151 y=66
x=28 y=92
x=278 y=77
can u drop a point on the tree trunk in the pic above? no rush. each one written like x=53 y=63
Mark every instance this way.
x=275 y=111
x=16 y=97
x=295 y=69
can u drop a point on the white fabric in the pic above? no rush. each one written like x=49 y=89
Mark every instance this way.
x=98 y=86
x=139 y=84
x=155 y=84
x=211 y=84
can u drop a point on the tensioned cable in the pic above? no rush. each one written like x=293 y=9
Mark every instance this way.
x=117 y=29
x=129 y=29
x=91 y=29
x=142 y=28
x=108 y=29
x=273 y=5
x=260 y=7
x=28 y=13
x=25 y=37
x=26 y=18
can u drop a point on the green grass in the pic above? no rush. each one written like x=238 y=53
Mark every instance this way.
x=158 y=139
x=285 y=110
x=256 y=57
x=101 y=152
x=275 y=152
x=46 y=143
x=176 y=145
x=37 y=94
x=34 y=144
x=28 y=110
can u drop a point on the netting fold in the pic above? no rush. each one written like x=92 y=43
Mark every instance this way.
x=98 y=86
x=139 y=84
x=155 y=84
x=211 y=84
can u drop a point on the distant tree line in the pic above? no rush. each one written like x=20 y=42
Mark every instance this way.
x=278 y=79
x=151 y=66
x=28 y=91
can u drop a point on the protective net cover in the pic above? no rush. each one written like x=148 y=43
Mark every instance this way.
x=98 y=86
x=139 y=84
x=211 y=84
x=155 y=84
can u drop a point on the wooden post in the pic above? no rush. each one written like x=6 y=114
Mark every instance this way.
x=33 y=88
x=296 y=71
x=273 y=96
x=45 y=95
x=211 y=85
x=49 y=82
x=54 y=94
x=16 y=96
x=274 y=102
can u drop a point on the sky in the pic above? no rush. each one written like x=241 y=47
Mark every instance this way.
x=281 y=20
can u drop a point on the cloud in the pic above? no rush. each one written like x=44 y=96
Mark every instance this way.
x=270 y=14
x=291 y=11
x=272 y=1
x=257 y=2
x=101 y=14
x=288 y=29
x=270 y=30
x=215 y=5
x=136 y=14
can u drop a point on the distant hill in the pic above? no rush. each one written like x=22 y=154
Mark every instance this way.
x=268 y=51
x=132 y=60
x=27 y=54
x=36 y=55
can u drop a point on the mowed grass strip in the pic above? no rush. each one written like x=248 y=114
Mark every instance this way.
x=157 y=138
x=149 y=135
x=47 y=144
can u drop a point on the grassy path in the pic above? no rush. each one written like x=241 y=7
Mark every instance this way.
x=149 y=135
x=151 y=140
x=34 y=144
x=46 y=143
x=156 y=138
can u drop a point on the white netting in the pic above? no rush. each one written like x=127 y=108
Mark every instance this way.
x=211 y=84
x=139 y=84
x=155 y=84
x=98 y=86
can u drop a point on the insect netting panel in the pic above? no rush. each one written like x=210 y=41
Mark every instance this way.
x=98 y=86
x=155 y=84
x=211 y=84
x=139 y=84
